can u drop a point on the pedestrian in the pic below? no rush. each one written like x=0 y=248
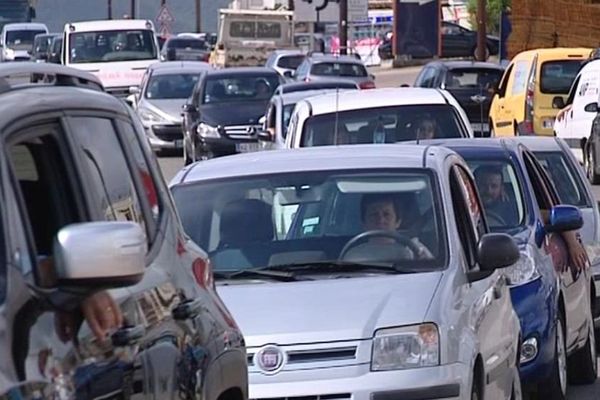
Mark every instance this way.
x=505 y=31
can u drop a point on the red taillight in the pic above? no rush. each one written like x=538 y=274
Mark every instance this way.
x=202 y=270
x=367 y=85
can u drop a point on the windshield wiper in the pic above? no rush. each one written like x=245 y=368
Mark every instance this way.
x=256 y=273
x=340 y=266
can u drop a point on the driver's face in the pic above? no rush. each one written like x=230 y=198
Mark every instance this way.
x=490 y=187
x=381 y=216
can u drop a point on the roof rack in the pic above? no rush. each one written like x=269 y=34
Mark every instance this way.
x=19 y=75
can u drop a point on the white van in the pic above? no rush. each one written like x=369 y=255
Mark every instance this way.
x=16 y=40
x=576 y=125
x=117 y=51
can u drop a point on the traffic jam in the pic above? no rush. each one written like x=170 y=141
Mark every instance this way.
x=325 y=236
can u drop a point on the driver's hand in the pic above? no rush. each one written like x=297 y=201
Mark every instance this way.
x=424 y=253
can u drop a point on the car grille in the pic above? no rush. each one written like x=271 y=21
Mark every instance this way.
x=120 y=92
x=242 y=131
x=340 y=396
x=317 y=355
x=168 y=133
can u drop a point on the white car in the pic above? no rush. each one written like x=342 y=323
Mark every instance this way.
x=377 y=116
x=16 y=40
x=576 y=125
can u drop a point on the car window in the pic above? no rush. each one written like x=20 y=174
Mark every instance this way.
x=500 y=193
x=21 y=38
x=338 y=69
x=484 y=78
x=291 y=61
x=187 y=43
x=567 y=182
x=107 y=46
x=573 y=91
x=427 y=78
x=171 y=86
x=556 y=77
x=239 y=88
x=520 y=77
x=540 y=190
x=112 y=185
x=288 y=109
x=382 y=125
x=466 y=213
x=502 y=86
x=250 y=222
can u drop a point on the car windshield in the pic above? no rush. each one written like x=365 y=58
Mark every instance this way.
x=191 y=44
x=566 y=181
x=107 y=46
x=352 y=70
x=500 y=193
x=310 y=217
x=171 y=86
x=383 y=125
x=291 y=61
x=21 y=38
x=42 y=43
x=470 y=78
x=286 y=115
x=558 y=76
x=239 y=88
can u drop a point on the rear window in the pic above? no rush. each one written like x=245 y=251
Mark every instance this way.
x=472 y=78
x=558 y=76
x=194 y=44
x=339 y=69
x=291 y=62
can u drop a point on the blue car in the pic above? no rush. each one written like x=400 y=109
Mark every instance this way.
x=550 y=296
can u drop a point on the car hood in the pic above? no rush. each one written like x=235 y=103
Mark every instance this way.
x=244 y=113
x=327 y=310
x=171 y=107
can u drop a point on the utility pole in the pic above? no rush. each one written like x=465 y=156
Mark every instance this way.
x=481 y=30
x=198 y=16
x=109 y=9
x=132 y=13
x=343 y=26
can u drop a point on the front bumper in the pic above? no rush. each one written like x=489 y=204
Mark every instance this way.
x=358 y=382
x=224 y=145
x=165 y=136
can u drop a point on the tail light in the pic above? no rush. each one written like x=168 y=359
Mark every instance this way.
x=202 y=270
x=367 y=85
x=526 y=127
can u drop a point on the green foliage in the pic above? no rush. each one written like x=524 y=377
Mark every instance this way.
x=494 y=9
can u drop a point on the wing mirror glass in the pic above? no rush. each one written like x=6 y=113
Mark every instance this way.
x=591 y=108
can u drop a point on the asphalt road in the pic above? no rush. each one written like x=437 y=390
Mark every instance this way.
x=393 y=78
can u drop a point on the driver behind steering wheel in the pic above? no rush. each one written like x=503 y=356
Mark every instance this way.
x=383 y=212
x=493 y=195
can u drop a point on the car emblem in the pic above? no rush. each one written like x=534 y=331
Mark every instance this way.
x=270 y=359
x=250 y=130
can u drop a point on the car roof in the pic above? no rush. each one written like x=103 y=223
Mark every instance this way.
x=367 y=156
x=540 y=143
x=495 y=147
x=24 y=25
x=113 y=24
x=466 y=64
x=172 y=67
x=294 y=97
x=316 y=58
x=556 y=53
x=242 y=71
x=316 y=85
x=372 y=98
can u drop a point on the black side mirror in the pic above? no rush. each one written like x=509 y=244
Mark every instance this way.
x=405 y=85
x=495 y=251
x=189 y=108
x=171 y=54
x=265 y=136
x=558 y=103
x=592 y=108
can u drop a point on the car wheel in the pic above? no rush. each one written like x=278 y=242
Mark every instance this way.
x=555 y=387
x=583 y=365
x=591 y=166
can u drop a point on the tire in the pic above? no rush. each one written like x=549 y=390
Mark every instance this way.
x=583 y=365
x=590 y=167
x=555 y=387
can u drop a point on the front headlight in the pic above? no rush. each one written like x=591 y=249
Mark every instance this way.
x=406 y=347
x=207 y=131
x=149 y=116
x=524 y=271
x=9 y=53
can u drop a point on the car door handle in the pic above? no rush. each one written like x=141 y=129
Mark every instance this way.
x=128 y=335
x=187 y=310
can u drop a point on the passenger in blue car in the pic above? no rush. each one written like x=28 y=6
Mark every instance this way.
x=497 y=202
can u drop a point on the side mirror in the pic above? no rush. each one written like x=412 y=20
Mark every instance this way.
x=288 y=74
x=558 y=103
x=564 y=218
x=130 y=100
x=189 y=108
x=265 y=136
x=100 y=255
x=134 y=90
x=591 y=108
x=495 y=251
x=405 y=85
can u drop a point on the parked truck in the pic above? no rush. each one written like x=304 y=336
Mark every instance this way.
x=247 y=37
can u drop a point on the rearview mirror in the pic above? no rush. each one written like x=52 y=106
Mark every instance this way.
x=564 y=218
x=100 y=255
x=558 y=103
x=495 y=251
x=592 y=108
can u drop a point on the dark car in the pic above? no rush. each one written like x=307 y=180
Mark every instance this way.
x=458 y=41
x=55 y=50
x=471 y=83
x=83 y=208
x=222 y=115
x=185 y=49
x=552 y=297
x=41 y=45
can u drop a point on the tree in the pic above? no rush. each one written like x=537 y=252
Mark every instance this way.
x=494 y=9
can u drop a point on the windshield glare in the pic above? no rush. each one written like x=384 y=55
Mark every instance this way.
x=382 y=125
x=566 y=181
x=309 y=217
x=240 y=88
x=106 y=46
x=175 y=86
x=20 y=38
x=500 y=193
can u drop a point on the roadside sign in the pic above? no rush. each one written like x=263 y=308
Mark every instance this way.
x=165 y=30
x=164 y=15
x=329 y=11
x=358 y=10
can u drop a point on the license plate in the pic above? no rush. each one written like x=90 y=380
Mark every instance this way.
x=179 y=144
x=548 y=123
x=246 y=147
x=480 y=127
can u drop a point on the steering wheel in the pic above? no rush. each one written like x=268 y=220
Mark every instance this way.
x=400 y=239
x=495 y=219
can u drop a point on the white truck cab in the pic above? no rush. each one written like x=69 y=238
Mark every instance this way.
x=117 y=51
x=16 y=40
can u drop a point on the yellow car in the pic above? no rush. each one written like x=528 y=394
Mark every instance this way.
x=522 y=104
